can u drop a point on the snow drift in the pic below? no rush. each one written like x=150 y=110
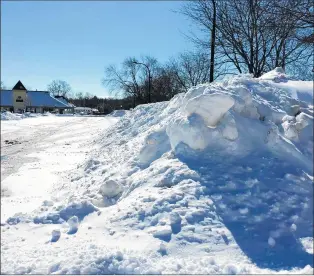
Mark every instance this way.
x=6 y=115
x=217 y=180
x=10 y=116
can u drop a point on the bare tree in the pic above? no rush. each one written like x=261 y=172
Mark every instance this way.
x=204 y=14
x=59 y=88
x=2 y=86
x=191 y=68
x=250 y=35
x=130 y=80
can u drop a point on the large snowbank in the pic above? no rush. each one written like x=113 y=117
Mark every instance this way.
x=217 y=180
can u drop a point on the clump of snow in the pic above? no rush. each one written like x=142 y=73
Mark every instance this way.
x=211 y=107
x=276 y=75
x=110 y=188
x=73 y=223
x=271 y=242
x=293 y=227
x=55 y=235
x=118 y=113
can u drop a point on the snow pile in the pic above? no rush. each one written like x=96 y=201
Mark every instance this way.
x=118 y=113
x=217 y=180
x=16 y=116
x=10 y=116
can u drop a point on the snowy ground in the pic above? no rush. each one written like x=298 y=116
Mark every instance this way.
x=38 y=152
x=219 y=180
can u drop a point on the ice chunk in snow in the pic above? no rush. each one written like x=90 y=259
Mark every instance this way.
x=110 y=188
x=210 y=107
x=55 y=235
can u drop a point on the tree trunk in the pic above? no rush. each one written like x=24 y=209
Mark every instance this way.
x=212 y=44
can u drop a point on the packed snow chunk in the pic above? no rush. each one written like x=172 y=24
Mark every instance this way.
x=308 y=244
x=175 y=222
x=293 y=127
x=195 y=216
x=156 y=144
x=288 y=118
x=55 y=235
x=118 y=113
x=228 y=127
x=230 y=269
x=293 y=110
x=293 y=227
x=271 y=242
x=191 y=131
x=276 y=75
x=195 y=91
x=211 y=107
x=73 y=223
x=163 y=234
x=303 y=120
x=290 y=130
x=110 y=189
x=162 y=249
x=79 y=209
x=47 y=203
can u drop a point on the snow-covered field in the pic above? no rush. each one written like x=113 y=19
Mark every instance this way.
x=218 y=180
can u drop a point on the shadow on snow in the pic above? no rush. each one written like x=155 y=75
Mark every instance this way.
x=258 y=197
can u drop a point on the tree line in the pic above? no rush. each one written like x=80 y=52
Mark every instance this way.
x=236 y=36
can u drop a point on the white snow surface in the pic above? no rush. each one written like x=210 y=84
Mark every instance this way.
x=6 y=115
x=302 y=90
x=216 y=181
x=118 y=113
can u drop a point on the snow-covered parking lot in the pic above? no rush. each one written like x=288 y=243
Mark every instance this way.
x=37 y=153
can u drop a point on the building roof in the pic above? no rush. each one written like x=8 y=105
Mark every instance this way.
x=64 y=100
x=34 y=98
x=19 y=86
x=43 y=98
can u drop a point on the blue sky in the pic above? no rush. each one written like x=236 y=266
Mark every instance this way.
x=75 y=40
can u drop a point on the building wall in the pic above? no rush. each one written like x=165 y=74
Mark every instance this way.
x=21 y=96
